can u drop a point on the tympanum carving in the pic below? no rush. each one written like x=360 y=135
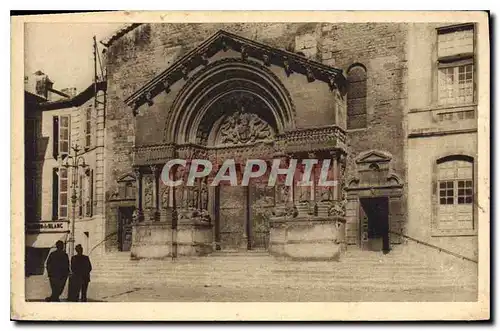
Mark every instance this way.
x=244 y=128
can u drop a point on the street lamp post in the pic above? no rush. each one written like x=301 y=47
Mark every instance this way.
x=74 y=162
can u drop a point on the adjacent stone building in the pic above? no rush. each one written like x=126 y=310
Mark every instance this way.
x=56 y=123
x=442 y=136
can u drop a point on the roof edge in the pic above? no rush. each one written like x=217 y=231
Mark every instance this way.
x=77 y=100
x=223 y=40
x=119 y=33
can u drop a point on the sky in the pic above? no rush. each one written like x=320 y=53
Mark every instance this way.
x=64 y=51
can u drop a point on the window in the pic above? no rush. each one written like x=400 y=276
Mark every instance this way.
x=88 y=126
x=356 y=97
x=60 y=135
x=455 y=193
x=63 y=135
x=456 y=85
x=63 y=192
x=456 y=64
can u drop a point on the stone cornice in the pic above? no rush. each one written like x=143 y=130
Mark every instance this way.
x=221 y=41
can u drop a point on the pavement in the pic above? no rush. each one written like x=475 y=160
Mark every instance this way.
x=37 y=288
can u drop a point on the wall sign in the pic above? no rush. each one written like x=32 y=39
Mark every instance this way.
x=49 y=226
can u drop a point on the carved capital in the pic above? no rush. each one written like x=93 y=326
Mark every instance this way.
x=154 y=169
x=137 y=172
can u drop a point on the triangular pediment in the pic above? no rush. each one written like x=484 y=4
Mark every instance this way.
x=126 y=178
x=374 y=157
x=248 y=49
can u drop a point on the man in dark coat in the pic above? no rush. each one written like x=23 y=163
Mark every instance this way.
x=58 y=270
x=80 y=274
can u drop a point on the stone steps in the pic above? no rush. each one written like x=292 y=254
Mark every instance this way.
x=396 y=271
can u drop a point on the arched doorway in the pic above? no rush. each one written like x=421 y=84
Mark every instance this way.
x=234 y=110
x=240 y=125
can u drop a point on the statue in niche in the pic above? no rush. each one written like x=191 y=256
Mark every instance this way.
x=204 y=196
x=304 y=193
x=243 y=128
x=148 y=192
x=165 y=198
x=325 y=194
x=195 y=194
x=284 y=196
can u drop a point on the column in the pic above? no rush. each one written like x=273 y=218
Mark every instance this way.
x=138 y=178
x=324 y=193
x=284 y=194
x=156 y=194
x=335 y=175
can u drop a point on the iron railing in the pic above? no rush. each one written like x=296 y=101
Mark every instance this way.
x=440 y=249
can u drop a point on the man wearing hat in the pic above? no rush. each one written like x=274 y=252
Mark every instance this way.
x=80 y=275
x=58 y=270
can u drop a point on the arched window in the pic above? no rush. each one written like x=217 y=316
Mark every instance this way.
x=356 y=97
x=455 y=193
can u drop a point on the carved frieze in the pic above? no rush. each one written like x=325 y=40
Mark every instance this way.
x=145 y=155
x=313 y=139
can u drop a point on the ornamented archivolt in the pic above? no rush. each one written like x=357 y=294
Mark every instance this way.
x=244 y=128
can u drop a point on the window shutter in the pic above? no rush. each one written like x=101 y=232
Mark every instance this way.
x=55 y=194
x=63 y=193
x=55 y=136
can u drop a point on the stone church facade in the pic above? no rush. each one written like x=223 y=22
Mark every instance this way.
x=243 y=91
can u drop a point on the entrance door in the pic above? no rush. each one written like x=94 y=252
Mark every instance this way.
x=243 y=217
x=374 y=218
x=233 y=213
x=125 y=215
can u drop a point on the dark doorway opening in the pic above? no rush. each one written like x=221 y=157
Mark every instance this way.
x=125 y=216
x=374 y=214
